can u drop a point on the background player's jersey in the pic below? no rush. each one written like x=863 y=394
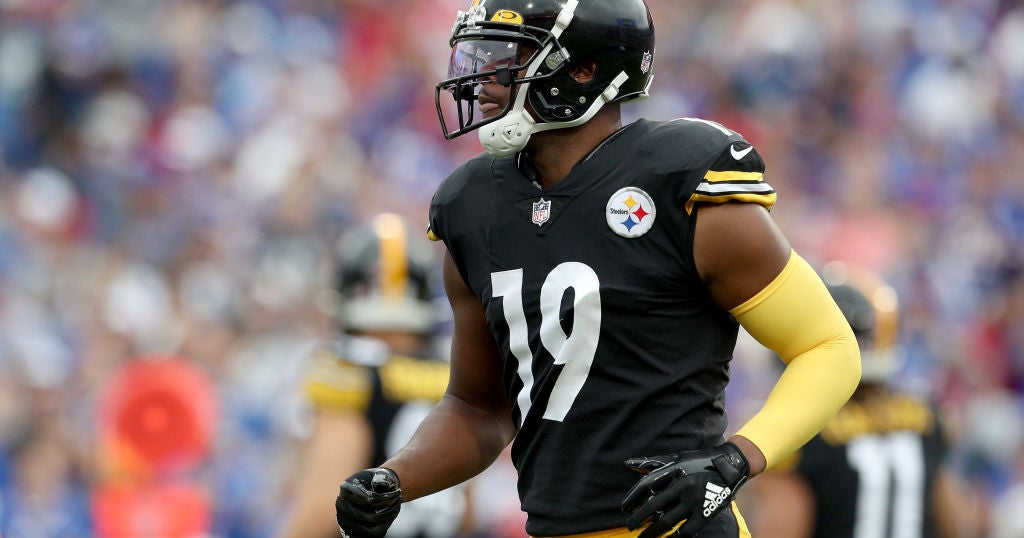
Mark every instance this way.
x=871 y=470
x=395 y=393
x=612 y=347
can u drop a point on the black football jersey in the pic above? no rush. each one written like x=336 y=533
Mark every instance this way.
x=872 y=468
x=611 y=344
x=395 y=393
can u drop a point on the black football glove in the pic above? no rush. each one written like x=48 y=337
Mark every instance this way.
x=368 y=503
x=694 y=485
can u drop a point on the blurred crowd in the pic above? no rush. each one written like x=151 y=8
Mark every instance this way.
x=174 y=175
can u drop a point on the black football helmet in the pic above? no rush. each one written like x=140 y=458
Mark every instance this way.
x=383 y=278
x=872 y=310
x=530 y=47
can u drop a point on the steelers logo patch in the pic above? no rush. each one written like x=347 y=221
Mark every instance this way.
x=630 y=212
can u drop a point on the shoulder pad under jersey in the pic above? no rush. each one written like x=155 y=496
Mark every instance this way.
x=454 y=190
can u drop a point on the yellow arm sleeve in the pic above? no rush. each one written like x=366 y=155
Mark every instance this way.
x=796 y=317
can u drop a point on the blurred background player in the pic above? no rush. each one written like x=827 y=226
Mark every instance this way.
x=371 y=388
x=878 y=468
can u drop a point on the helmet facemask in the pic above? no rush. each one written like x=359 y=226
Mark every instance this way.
x=476 y=64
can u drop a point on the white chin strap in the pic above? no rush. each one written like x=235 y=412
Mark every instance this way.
x=511 y=133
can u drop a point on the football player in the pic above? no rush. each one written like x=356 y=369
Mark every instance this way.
x=877 y=469
x=372 y=388
x=598 y=274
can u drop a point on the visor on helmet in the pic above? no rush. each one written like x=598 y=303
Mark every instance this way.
x=481 y=56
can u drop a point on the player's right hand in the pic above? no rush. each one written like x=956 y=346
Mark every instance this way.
x=692 y=486
x=368 y=503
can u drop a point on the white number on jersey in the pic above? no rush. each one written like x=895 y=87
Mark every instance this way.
x=574 y=350
x=880 y=461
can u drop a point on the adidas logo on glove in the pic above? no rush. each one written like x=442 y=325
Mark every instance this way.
x=714 y=495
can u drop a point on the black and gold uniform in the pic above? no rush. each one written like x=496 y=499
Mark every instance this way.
x=871 y=470
x=395 y=393
x=611 y=343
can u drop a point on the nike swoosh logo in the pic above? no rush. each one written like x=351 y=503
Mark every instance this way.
x=739 y=155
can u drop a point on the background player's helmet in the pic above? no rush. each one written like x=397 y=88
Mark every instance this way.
x=383 y=278
x=530 y=46
x=871 y=308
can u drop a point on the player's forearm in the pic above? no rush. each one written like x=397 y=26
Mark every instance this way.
x=809 y=392
x=454 y=443
x=340 y=446
x=796 y=317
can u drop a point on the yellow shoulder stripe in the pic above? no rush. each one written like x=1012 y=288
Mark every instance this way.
x=327 y=397
x=893 y=415
x=335 y=383
x=404 y=379
x=729 y=175
x=766 y=200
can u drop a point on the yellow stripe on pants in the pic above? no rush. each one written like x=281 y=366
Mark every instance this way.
x=623 y=532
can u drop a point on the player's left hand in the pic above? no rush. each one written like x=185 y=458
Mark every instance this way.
x=694 y=486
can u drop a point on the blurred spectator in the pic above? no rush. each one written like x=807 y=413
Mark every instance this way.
x=47 y=495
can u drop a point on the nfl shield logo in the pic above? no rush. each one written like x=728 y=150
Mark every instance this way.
x=541 y=211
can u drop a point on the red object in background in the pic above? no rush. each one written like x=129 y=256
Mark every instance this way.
x=164 y=511
x=157 y=417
